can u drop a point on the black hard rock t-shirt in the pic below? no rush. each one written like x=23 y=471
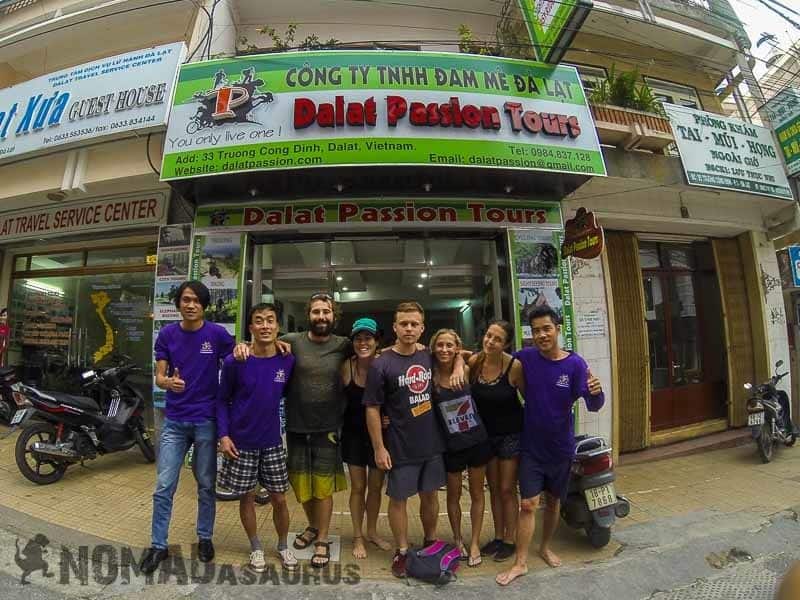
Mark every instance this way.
x=402 y=386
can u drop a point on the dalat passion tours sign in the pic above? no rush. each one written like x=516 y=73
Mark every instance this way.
x=392 y=212
x=103 y=98
x=313 y=109
x=727 y=153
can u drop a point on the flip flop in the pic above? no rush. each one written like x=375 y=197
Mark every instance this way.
x=474 y=561
x=301 y=542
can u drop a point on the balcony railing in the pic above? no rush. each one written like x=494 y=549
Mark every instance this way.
x=9 y=6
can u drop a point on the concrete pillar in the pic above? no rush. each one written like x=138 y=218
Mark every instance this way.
x=223 y=36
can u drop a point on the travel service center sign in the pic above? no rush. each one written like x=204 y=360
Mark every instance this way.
x=103 y=98
x=330 y=108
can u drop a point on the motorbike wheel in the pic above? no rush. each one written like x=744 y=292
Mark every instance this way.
x=38 y=432
x=224 y=494
x=792 y=439
x=6 y=411
x=765 y=442
x=598 y=536
x=262 y=497
x=145 y=443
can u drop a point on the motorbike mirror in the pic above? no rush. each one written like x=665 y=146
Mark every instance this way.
x=778 y=364
x=748 y=386
x=87 y=375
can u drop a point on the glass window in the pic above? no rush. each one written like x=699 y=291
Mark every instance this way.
x=56 y=261
x=656 y=331
x=666 y=91
x=680 y=257
x=648 y=256
x=591 y=77
x=21 y=263
x=117 y=256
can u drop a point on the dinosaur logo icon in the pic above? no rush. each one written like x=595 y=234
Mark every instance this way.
x=228 y=101
x=31 y=558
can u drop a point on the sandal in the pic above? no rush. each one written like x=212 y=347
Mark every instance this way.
x=474 y=561
x=301 y=542
x=320 y=559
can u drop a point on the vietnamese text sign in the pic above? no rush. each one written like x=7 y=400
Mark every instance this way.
x=314 y=109
x=386 y=212
x=65 y=218
x=550 y=20
x=106 y=97
x=784 y=114
x=727 y=153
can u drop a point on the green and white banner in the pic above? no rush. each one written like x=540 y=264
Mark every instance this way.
x=784 y=113
x=552 y=24
x=720 y=152
x=331 y=108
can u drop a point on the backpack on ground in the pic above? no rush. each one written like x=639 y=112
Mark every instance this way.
x=435 y=564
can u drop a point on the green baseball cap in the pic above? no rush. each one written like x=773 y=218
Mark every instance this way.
x=364 y=324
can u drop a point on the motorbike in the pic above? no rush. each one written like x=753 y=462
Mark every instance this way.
x=60 y=429
x=592 y=503
x=768 y=415
x=8 y=403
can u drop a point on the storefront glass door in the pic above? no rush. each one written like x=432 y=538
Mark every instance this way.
x=684 y=325
x=454 y=278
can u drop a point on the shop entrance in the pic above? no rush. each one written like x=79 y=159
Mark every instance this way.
x=460 y=280
x=685 y=331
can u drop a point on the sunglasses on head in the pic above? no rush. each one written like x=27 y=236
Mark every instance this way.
x=322 y=296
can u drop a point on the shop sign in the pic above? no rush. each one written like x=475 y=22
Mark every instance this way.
x=103 y=98
x=583 y=237
x=384 y=212
x=552 y=24
x=794 y=261
x=720 y=152
x=783 y=112
x=316 y=109
x=82 y=217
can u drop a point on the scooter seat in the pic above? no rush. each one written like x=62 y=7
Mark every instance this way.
x=81 y=402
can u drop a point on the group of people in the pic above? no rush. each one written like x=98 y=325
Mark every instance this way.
x=414 y=416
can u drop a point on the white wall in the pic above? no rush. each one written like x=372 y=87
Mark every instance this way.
x=591 y=319
x=775 y=312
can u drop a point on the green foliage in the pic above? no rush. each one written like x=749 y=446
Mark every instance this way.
x=286 y=41
x=626 y=90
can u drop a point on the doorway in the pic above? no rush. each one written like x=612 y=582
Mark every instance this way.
x=455 y=278
x=685 y=334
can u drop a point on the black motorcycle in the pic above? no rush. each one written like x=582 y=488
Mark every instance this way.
x=768 y=415
x=592 y=503
x=61 y=429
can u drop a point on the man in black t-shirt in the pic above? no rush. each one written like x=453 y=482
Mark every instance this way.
x=400 y=382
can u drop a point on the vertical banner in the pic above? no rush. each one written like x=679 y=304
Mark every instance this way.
x=217 y=261
x=172 y=269
x=552 y=25
x=540 y=278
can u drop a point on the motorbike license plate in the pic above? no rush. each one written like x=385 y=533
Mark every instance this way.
x=600 y=497
x=755 y=419
x=19 y=416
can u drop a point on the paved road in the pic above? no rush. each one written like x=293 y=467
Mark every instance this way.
x=702 y=555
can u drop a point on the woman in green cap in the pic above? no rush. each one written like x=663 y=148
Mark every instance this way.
x=366 y=480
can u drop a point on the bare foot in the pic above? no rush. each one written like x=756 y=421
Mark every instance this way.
x=379 y=542
x=507 y=577
x=359 y=551
x=550 y=557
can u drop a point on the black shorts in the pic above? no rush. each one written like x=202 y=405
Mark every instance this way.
x=474 y=456
x=505 y=446
x=357 y=448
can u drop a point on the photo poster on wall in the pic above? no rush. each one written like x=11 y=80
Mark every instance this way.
x=540 y=277
x=172 y=269
x=217 y=261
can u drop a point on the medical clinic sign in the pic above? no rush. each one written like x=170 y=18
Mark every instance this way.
x=314 y=109
x=103 y=98
x=103 y=215
x=727 y=153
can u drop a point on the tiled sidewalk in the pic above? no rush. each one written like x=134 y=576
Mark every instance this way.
x=111 y=498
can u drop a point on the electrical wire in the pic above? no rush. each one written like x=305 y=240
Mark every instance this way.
x=147 y=150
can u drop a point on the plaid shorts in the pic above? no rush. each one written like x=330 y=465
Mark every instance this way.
x=266 y=467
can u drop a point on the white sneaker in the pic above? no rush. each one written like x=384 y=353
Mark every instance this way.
x=288 y=559
x=257 y=562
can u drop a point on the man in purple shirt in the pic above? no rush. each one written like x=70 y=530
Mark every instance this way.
x=554 y=380
x=188 y=356
x=249 y=430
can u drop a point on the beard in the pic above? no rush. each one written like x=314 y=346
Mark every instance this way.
x=321 y=328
